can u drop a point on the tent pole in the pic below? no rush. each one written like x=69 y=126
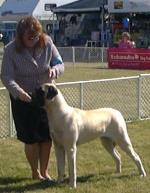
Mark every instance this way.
x=102 y=23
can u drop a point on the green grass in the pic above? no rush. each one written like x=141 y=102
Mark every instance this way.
x=94 y=72
x=95 y=167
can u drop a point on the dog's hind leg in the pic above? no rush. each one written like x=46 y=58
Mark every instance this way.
x=110 y=147
x=60 y=158
x=128 y=148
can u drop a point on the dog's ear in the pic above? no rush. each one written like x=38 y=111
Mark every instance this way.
x=51 y=92
x=38 y=98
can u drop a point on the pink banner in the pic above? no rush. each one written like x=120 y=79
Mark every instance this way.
x=134 y=58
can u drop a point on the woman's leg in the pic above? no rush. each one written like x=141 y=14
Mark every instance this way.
x=45 y=148
x=32 y=155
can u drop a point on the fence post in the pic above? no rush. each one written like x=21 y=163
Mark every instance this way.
x=81 y=95
x=73 y=55
x=102 y=51
x=10 y=119
x=139 y=95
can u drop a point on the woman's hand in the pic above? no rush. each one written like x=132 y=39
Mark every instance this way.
x=23 y=96
x=52 y=73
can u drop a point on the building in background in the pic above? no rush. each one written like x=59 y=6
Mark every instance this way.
x=74 y=22
x=77 y=21
x=11 y=11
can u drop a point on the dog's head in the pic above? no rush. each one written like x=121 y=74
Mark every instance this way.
x=46 y=92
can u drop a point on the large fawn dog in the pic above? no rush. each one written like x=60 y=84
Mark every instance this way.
x=70 y=127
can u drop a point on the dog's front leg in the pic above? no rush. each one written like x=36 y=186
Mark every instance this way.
x=60 y=158
x=71 y=155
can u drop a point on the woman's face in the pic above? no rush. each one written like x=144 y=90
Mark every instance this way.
x=125 y=38
x=30 y=40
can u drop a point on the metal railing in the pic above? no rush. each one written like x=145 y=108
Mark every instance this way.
x=130 y=95
x=75 y=55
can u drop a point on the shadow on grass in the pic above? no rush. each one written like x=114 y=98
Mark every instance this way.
x=112 y=175
x=19 y=185
x=83 y=179
x=107 y=176
x=11 y=180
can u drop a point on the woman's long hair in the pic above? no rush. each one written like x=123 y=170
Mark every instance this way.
x=31 y=26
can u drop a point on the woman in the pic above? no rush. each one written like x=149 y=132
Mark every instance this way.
x=125 y=41
x=29 y=61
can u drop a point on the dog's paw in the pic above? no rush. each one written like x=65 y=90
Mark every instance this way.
x=143 y=175
x=72 y=186
x=72 y=183
x=60 y=180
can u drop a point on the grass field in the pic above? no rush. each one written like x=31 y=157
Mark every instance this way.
x=95 y=167
x=93 y=71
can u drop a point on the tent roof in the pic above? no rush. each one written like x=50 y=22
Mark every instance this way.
x=14 y=9
x=81 y=6
x=129 y=6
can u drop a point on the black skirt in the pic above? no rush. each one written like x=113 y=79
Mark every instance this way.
x=31 y=122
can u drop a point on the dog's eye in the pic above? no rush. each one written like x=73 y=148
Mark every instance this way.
x=51 y=93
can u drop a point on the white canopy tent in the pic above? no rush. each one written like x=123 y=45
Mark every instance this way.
x=128 y=6
x=13 y=10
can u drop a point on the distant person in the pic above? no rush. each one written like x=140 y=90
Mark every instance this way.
x=29 y=61
x=126 y=42
x=62 y=25
x=73 y=19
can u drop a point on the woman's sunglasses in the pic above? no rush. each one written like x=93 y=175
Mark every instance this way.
x=33 y=37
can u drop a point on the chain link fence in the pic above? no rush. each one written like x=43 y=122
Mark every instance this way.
x=118 y=93
x=75 y=55
x=5 y=114
x=144 y=96
x=129 y=95
x=1 y=53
